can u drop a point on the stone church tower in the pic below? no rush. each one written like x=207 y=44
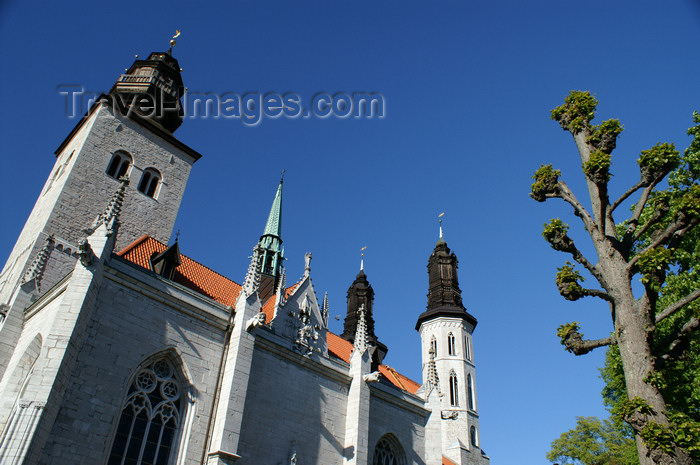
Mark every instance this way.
x=127 y=133
x=449 y=381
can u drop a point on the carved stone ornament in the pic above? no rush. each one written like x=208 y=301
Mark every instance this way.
x=307 y=333
x=85 y=252
x=449 y=414
x=256 y=321
x=371 y=377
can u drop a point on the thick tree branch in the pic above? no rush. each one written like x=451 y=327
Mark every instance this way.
x=579 y=210
x=575 y=343
x=677 y=305
x=673 y=345
x=599 y=293
x=624 y=196
x=677 y=228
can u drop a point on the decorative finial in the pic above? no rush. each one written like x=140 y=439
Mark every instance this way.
x=432 y=378
x=360 y=343
x=173 y=42
x=282 y=176
x=177 y=236
x=307 y=264
x=325 y=310
x=281 y=294
x=110 y=217
x=440 y=221
x=252 y=277
x=362 y=258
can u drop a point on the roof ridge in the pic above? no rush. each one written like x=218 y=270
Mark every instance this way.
x=133 y=245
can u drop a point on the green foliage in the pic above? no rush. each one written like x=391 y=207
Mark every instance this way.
x=656 y=378
x=658 y=436
x=593 y=442
x=566 y=330
x=546 y=179
x=597 y=168
x=653 y=264
x=576 y=112
x=555 y=228
x=604 y=136
x=635 y=405
x=568 y=282
x=658 y=161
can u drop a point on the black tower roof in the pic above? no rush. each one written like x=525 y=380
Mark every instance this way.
x=444 y=295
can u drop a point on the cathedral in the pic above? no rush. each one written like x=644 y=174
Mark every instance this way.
x=118 y=349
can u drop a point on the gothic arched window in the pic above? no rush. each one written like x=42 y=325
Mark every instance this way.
x=150 y=181
x=433 y=346
x=451 y=344
x=454 y=397
x=150 y=418
x=388 y=451
x=120 y=164
x=470 y=392
x=472 y=436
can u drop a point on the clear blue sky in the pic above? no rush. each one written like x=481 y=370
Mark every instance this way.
x=468 y=88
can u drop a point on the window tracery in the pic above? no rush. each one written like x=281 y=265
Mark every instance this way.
x=150 y=418
x=388 y=452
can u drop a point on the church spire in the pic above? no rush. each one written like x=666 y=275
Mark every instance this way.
x=444 y=294
x=272 y=254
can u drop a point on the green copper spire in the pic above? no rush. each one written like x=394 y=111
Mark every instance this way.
x=272 y=254
x=274 y=221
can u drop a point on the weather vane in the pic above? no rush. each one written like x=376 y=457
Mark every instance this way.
x=362 y=258
x=172 y=41
x=177 y=236
x=282 y=177
x=440 y=221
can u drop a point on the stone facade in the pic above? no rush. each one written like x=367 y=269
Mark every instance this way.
x=102 y=358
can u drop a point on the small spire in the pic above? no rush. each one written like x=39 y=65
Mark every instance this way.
x=37 y=267
x=440 y=221
x=362 y=258
x=432 y=377
x=110 y=217
x=280 y=295
x=273 y=227
x=252 y=277
x=325 y=310
x=360 y=344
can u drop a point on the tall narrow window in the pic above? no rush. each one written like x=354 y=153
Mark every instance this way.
x=150 y=418
x=433 y=346
x=388 y=451
x=451 y=344
x=470 y=392
x=150 y=181
x=454 y=397
x=472 y=435
x=120 y=164
x=466 y=349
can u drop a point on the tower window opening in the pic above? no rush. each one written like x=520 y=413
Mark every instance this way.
x=472 y=436
x=119 y=166
x=150 y=181
x=433 y=346
x=454 y=397
x=470 y=392
x=451 y=344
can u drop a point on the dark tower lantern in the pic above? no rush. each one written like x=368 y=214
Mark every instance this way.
x=152 y=89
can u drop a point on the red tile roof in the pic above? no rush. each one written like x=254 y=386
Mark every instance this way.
x=446 y=461
x=190 y=273
x=199 y=278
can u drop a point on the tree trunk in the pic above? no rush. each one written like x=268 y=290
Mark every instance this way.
x=637 y=362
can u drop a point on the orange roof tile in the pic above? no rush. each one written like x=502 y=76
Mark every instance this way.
x=190 y=273
x=199 y=278
x=446 y=461
x=269 y=306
